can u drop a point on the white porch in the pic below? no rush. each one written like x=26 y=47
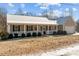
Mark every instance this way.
x=30 y=28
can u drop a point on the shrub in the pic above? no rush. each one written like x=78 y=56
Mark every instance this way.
x=54 y=33
x=44 y=32
x=15 y=35
x=59 y=32
x=10 y=36
x=3 y=35
x=39 y=34
x=34 y=34
x=22 y=35
x=64 y=33
x=28 y=34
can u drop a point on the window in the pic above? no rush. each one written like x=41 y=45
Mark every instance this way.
x=49 y=27
x=60 y=27
x=45 y=27
x=35 y=28
x=41 y=28
x=29 y=28
x=54 y=27
x=16 y=27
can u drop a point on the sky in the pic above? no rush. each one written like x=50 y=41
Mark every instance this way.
x=38 y=8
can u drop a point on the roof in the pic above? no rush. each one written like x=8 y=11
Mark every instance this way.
x=29 y=20
x=62 y=20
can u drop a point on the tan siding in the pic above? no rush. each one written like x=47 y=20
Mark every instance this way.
x=70 y=22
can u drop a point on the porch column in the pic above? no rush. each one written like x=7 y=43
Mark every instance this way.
x=48 y=29
x=8 y=28
x=24 y=28
x=63 y=27
x=56 y=27
x=37 y=28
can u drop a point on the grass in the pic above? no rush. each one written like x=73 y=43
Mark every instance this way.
x=36 y=45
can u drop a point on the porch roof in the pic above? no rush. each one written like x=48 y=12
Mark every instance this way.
x=29 y=20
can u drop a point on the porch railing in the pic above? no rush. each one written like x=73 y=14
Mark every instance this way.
x=25 y=32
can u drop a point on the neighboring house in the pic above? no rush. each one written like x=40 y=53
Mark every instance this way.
x=24 y=24
x=77 y=25
x=68 y=24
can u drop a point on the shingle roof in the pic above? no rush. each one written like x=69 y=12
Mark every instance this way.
x=61 y=20
x=29 y=20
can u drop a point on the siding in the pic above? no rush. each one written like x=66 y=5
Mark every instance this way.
x=70 y=22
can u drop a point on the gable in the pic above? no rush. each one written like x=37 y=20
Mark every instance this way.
x=62 y=20
x=69 y=22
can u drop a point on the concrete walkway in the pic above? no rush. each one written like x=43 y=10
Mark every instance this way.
x=72 y=50
x=76 y=34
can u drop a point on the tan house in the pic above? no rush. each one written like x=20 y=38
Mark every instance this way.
x=68 y=23
x=25 y=24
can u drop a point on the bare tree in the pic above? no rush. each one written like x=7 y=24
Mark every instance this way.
x=3 y=22
x=44 y=13
x=19 y=12
x=77 y=26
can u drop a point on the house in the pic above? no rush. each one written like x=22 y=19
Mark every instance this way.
x=68 y=23
x=29 y=24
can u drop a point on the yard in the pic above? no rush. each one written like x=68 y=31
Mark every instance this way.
x=27 y=46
